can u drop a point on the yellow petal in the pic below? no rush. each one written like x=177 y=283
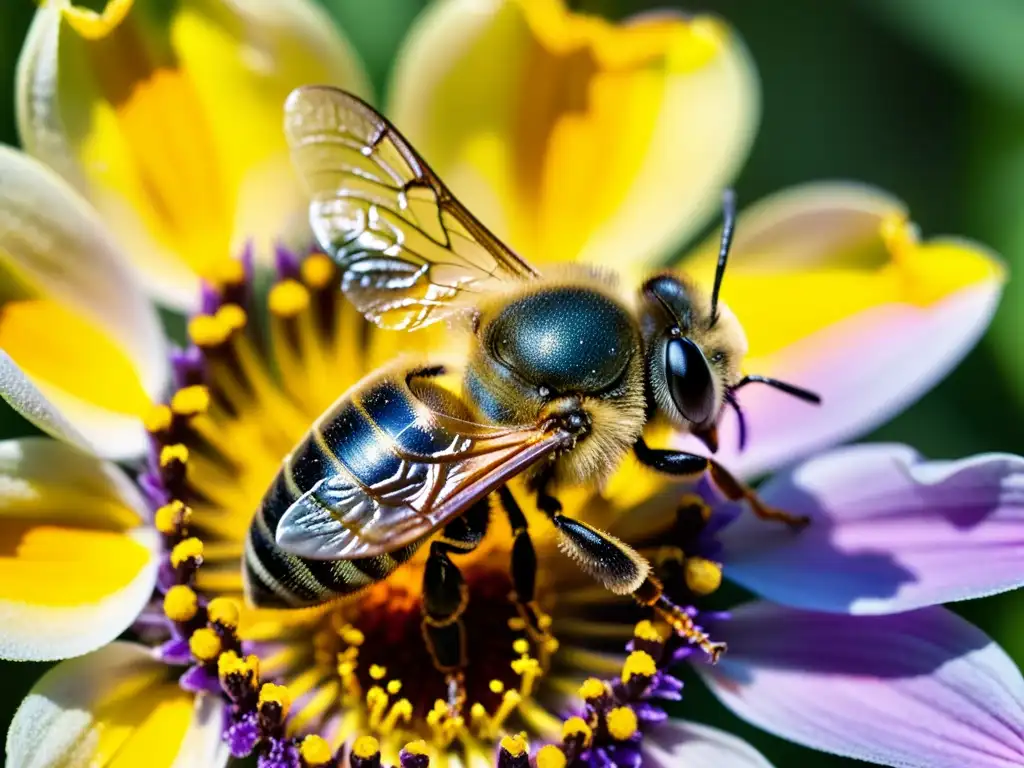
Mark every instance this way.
x=839 y=294
x=115 y=708
x=169 y=120
x=572 y=137
x=83 y=349
x=76 y=567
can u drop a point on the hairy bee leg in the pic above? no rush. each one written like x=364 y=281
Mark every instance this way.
x=651 y=594
x=445 y=597
x=683 y=463
x=523 y=567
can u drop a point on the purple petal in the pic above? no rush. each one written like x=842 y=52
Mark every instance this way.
x=199 y=678
x=174 y=651
x=923 y=688
x=889 y=532
x=677 y=744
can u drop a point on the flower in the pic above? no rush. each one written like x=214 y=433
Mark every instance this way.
x=296 y=686
x=167 y=118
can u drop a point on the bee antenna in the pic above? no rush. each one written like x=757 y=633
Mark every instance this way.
x=731 y=400
x=790 y=389
x=728 y=227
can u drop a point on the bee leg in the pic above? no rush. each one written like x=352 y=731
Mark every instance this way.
x=683 y=463
x=524 y=572
x=651 y=594
x=445 y=596
x=623 y=571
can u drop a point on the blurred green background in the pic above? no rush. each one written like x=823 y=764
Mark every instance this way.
x=922 y=97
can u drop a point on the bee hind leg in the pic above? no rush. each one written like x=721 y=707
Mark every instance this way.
x=681 y=463
x=523 y=568
x=445 y=597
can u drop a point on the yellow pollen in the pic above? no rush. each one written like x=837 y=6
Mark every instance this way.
x=592 y=688
x=365 y=747
x=271 y=693
x=651 y=632
x=172 y=453
x=638 y=663
x=223 y=610
x=190 y=401
x=622 y=723
x=394 y=687
x=190 y=548
x=521 y=646
x=496 y=686
x=229 y=272
x=515 y=745
x=550 y=756
x=170 y=516
x=230 y=663
x=702 y=576
x=317 y=270
x=576 y=726
x=418 y=747
x=288 y=298
x=377 y=672
x=352 y=636
x=204 y=644
x=158 y=419
x=233 y=317
x=180 y=603
x=207 y=331
x=315 y=750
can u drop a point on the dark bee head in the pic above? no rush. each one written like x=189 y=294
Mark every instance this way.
x=567 y=352
x=693 y=357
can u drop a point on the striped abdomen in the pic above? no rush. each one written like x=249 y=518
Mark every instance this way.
x=353 y=443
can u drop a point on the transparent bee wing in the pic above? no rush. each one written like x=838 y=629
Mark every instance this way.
x=339 y=519
x=410 y=253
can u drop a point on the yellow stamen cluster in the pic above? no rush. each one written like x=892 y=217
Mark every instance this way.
x=172 y=518
x=550 y=756
x=223 y=611
x=171 y=454
x=365 y=747
x=158 y=419
x=272 y=693
x=317 y=271
x=191 y=401
x=288 y=298
x=205 y=644
x=187 y=549
x=592 y=688
x=576 y=727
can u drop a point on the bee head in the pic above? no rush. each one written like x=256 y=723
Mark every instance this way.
x=693 y=352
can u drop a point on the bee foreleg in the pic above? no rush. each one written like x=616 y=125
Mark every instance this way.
x=650 y=593
x=681 y=463
x=523 y=568
x=445 y=597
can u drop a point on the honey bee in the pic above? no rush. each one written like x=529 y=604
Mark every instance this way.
x=562 y=375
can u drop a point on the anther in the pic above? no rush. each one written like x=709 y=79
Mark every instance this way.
x=576 y=731
x=223 y=611
x=238 y=677
x=650 y=638
x=173 y=464
x=158 y=420
x=622 y=723
x=521 y=646
x=377 y=672
x=550 y=756
x=207 y=331
x=172 y=519
x=229 y=272
x=180 y=603
x=187 y=551
x=288 y=298
x=273 y=705
x=315 y=751
x=205 y=645
x=513 y=752
x=414 y=755
x=191 y=401
x=233 y=317
x=593 y=690
x=637 y=671
x=702 y=576
x=317 y=270
x=365 y=753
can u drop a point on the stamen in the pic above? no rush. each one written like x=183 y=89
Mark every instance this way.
x=315 y=751
x=550 y=756
x=365 y=753
x=414 y=755
x=158 y=420
x=223 y=611
x=180 y=603
x=288 y=298
x=622 y=723
x=190 y=549
x=702 y=576
x=513 y=752
x=205 y=645
x=191 y=401
x=317 y=271
x=207 y=331
x=172 y=518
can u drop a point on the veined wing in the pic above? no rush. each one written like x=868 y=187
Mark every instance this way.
x=438 y=465
x=410 y=253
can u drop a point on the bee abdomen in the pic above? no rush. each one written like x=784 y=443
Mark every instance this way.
x=357 y=438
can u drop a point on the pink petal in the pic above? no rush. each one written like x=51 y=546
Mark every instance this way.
x=920 y=689
x=890 y=531
x=678 y=743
